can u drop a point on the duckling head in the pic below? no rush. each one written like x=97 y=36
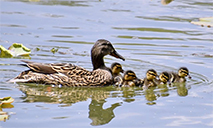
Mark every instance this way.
x=183 y=72
x=164 y=77
x=129 y=75
x=151 y=74
x=116 y=68
x=100 y=49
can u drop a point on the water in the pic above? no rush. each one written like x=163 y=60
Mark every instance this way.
x=147 y=33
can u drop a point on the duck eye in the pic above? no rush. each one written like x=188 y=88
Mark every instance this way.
x=185 y=72
x=152 y=74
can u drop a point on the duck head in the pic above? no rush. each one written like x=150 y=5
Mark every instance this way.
x=151 y=74
x=164 y=77
x=129 y=75
x=116 y=68
x=100 y=49
x=183 y=72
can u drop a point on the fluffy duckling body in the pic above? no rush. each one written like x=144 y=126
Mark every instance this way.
x=180 y=76
x=117 y=77
x=66 y=74
x=127 y=80
x=149 y=80
x=163 y=78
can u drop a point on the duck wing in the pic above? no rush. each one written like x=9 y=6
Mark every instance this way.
x=52 y=68
x=64 y=74
x=39 y=67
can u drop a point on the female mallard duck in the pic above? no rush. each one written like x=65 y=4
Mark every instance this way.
x=163 y=78
x=148 y=81
x=66 y=74
x=180 y=76
x=128 y=80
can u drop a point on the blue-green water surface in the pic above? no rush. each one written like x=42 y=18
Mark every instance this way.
x=147 y=33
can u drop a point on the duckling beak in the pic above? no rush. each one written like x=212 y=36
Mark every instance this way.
x=116 y=55
x=122 y=70
x=189 y=77
x=169 y=83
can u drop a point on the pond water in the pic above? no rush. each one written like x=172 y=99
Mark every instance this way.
x=147 y=33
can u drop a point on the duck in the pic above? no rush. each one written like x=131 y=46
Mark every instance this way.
x=163 y=79
x=180 y=76
x=116 y=69
x=66 y=74
x=149 y=80
x=128 y=79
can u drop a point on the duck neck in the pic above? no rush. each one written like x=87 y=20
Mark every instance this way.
x=98 y=62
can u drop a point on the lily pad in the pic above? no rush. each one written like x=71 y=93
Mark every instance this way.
x=14 y=50
x=6 y=100
x=207 y=21
x=4 y=117
x=165 y=2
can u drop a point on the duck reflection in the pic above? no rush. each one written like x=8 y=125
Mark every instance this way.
x=69 y=96
x=100 y=116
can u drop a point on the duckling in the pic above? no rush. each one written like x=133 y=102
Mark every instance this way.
x=180 y=76
x=116 y=69
x=148 y=81
x=163 y=78
x=127 y=80
x=66 y=74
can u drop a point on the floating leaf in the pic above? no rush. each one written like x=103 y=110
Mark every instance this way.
x=6 y=100
x=165 y=2
x=5 y=53
x=207 y=21
x=7 y=106
x=4 y=117
x=15 y=50
x=54 y=50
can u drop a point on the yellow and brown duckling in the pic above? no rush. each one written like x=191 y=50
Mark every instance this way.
x=127 y=80
x=116 y=69
x=149 y=80
x=163 y=78
x=180 y=76
x=66 y=74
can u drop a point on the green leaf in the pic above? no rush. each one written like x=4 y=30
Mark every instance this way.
x=14 y=50
x=5 y=53
x=6 y=100
x=165 y=2
x=207 y=21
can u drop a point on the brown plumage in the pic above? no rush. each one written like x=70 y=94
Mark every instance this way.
x=163 y=78
x=148 y=81
x=129 y=80
x=180 y=76
x=66 y=74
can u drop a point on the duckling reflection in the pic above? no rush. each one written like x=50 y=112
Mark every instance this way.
x=100 y=116
x=181 y=89
x=150 y=96
x=149 y=79
x=180 y=76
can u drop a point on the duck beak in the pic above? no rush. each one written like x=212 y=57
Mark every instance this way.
x=169 y=83
x=116 y=55
x=189 y=77
x=122 y=70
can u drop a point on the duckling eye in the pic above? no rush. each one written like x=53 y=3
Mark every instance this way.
x=165 y=77
x=152 y=74
x=184 y=71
